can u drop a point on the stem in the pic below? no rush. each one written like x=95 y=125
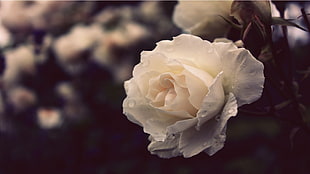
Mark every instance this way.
x=288 y=54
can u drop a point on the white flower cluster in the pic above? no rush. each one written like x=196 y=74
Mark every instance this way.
x=78 y=34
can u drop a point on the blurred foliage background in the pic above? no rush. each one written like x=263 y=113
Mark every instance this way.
x=63 y=65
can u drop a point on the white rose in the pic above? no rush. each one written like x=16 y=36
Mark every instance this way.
x=21 y=98
x=203 y=18
x=184 y=91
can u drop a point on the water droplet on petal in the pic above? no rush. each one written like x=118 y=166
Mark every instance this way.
x=131 y=103
x=230 y=111
x=204 y=112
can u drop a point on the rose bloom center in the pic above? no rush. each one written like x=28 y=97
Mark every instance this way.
x=169 y=92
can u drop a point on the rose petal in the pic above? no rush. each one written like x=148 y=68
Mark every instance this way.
x=211 y=134
x=166 y=149
x=243 y=74
x=152 y=64
x=212 y=102
x=222 y=47
x=230 y=110
x=191 y=50
x=166 y=94
x=143 y=81
x=153 y=120
x=180 y=126
x=149 y=67
x=180 y=102
x=197 y=82
x=150 y=119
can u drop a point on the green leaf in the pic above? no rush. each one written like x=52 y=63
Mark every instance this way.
x=286 y=22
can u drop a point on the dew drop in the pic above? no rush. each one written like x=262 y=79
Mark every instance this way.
x=230 y=111
x=131 y=103
x=204 y=112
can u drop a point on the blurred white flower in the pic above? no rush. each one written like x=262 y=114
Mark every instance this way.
x=203 y=18
x=295 y=35
x=21 y=98
x=121 y=31
x=22 y=16
x=123 y=72
x=184 y=91
x=14 y=16
x=73 y=107
x=49 y=118
x=67 y=92
x=19 y=61
x=69 y=48
x=154 y=14
x=121 y=37
x=150 y=10
x=41 y=13
x=5 y=36
x=274 y=11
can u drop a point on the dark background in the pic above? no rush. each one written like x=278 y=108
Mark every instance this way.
x=105 y=142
